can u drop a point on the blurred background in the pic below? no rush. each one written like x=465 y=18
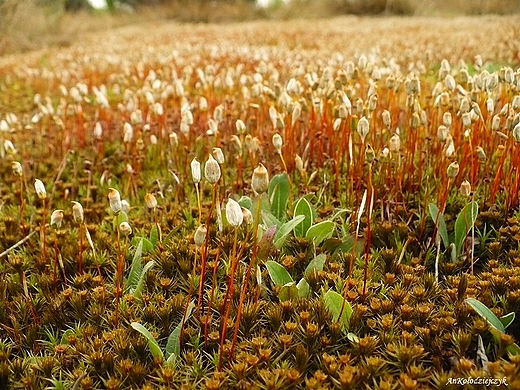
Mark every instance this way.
x=32 y=24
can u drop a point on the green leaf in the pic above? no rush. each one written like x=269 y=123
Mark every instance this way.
x=154 y=236
x=331 y=245
x=285 y=230
x=136 y=268
x=140 y=285
x=304 y=290
x=316 y=264
x=513 y=349
x=245 y=202
x=64 y=337
x=507 y=319
x=334 y=302
x=348 y=244
x=147 y=244
x=465 y=220
x=152 y=343
x=269 y=219
x=303 y=207
x=278 y=193
x=483 y=311
x=278 y=273
x=289 y=292
x=320 y=231
x=122 y=217
x=438 y=218
x=173 y=346
x=172 y=233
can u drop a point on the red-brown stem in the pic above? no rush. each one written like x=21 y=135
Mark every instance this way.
x=342 y=152
x=56 y=254
x=239 y=182
x=290 y=202
x=472 y=237
x=22 y=207
x=43 y=231
x=496 y=181
x=516 y=185
x=213 y=286
x=243 y=293
x=118 y=276
x=205 y=253
x=156 y=220
x=190 y=291
x=198 y=202
x=80 y=257
x=24 y=284
x=80 y=127
x=229 y=294
x=445 y=197
x=368 y=243
x=252 y=261
x=222 y=169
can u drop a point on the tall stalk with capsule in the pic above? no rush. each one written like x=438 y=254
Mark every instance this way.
x=260 y=184
x=196 y=175
x=79 y=218
x=124 y=229
x=235 y=217
x=42 y=195
x=151 y=203
x=452 y=171
x=56 y=221
x=369 y=159
x=219 y=157
x=212 y=174
x=18 y=172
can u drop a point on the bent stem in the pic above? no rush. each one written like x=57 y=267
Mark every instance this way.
x=80 y=256
x=156 y=220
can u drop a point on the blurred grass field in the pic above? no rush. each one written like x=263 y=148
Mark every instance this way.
x=33 y=24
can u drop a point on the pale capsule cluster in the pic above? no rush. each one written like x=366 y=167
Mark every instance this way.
x=314 y=107
x=212 y=171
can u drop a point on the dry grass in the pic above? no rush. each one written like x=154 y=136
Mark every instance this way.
x=203 y=12
x=467 y=7
x=22 y=24
x=25 y=25
x=327 y=8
